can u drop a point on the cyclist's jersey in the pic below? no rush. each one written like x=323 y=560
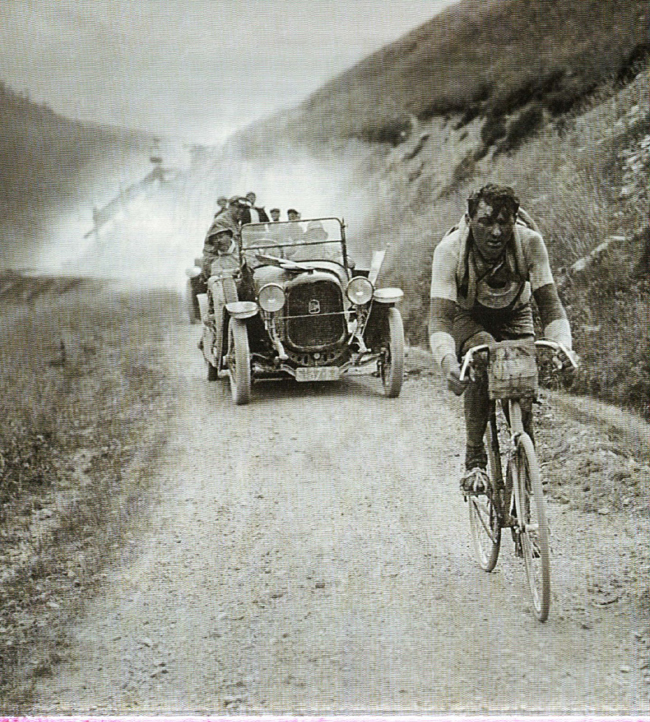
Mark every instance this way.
x=460 y=275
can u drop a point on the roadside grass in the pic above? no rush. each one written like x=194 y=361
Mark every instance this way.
x=82 y=395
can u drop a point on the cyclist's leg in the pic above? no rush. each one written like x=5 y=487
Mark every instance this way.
x=477 y=402
x=476 y=409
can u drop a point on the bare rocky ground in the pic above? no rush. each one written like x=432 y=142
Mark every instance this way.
x=311 y=553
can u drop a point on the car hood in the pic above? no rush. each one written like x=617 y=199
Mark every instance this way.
x=322 y=270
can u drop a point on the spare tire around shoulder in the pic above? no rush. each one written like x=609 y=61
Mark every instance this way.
x=230 y=294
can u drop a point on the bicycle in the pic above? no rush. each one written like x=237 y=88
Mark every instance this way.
x=516 y=500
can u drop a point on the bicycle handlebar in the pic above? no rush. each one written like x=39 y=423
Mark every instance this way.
x=543 y=343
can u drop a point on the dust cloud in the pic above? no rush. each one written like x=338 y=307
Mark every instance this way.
x=154 y=235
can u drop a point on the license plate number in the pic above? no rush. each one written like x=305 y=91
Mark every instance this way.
x=329 y=373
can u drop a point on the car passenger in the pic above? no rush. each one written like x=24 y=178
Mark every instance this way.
x=222 y=205
x=254 y=214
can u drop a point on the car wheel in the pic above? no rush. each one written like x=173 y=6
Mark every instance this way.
x=191 y=303
x=213 y=372
x=239 y=362
x=391 y=363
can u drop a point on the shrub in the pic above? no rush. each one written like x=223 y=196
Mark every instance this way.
x=493 y=130
x=528 y=122
x=393 y=132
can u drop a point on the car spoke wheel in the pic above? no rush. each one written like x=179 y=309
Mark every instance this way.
x=391 y=363
x=533 y=526
x=239 y=362
x=484 y=511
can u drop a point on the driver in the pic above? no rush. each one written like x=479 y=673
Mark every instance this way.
x=485 y=271
x=313 y=235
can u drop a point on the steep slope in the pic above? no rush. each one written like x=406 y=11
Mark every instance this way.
x=488 y=58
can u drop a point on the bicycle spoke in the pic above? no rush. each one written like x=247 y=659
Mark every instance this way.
x=483 y=514
x=533 y=529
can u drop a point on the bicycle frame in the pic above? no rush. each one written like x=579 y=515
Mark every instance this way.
x=502 y=493
x=521 y=490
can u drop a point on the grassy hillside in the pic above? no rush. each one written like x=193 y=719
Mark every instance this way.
x=550 y=96
x=586 y=184
x=47 y=163
x=492 y=59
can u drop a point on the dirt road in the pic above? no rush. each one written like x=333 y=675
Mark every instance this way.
x=310 y=553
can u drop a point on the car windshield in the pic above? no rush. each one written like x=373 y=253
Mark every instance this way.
x=309 y=240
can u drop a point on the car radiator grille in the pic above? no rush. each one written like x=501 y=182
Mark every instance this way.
x=314 y=315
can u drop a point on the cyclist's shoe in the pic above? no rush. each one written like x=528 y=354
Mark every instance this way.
x=474 y=481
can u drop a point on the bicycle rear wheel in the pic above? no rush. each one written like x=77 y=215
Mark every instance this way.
x=484 y=518
x=533 y=526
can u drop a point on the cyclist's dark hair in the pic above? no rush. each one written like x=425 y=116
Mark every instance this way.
x=494 y=195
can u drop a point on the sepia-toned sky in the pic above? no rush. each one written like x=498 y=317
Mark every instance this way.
x=193 y=68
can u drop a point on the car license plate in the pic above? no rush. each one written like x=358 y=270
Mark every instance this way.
x=327 y=373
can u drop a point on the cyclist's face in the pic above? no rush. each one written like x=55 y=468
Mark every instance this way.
x=491 y=231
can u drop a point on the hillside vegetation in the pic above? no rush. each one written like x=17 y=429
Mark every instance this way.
x=494 y=59
x=550 y=96
x=48 y=164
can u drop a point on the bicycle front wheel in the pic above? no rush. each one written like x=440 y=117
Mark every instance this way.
x=533 y=526
x=484 y=519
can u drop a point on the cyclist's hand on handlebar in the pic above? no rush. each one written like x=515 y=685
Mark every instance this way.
x=451 y=370
x=575 y=359
x=566 y=364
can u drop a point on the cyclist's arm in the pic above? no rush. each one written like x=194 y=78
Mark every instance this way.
x=554 y=318
x=443 y=302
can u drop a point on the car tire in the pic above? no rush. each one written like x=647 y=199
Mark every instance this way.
x=239 y=362
x=392 y=360
x=213 y=372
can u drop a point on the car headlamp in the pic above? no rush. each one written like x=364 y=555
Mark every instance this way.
x=359 y=290
x=271 y=298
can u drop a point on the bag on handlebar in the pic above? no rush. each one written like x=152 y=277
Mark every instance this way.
x=512 y=370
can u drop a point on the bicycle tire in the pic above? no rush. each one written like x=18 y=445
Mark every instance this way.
x=533 y=526
x=484 y=517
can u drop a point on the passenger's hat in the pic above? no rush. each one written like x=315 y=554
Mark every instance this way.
x=240 y=201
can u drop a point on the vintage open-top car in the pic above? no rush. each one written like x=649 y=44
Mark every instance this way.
x=297 y=308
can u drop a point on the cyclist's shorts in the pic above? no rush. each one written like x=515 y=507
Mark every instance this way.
x=501 y=325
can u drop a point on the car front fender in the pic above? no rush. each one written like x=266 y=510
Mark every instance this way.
x=388 y=295
x=242 y=309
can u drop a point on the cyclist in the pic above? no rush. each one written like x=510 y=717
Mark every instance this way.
x=484 y=272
